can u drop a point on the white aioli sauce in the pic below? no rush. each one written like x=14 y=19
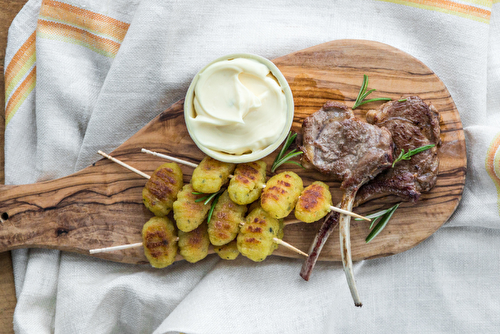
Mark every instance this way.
x=239 y=107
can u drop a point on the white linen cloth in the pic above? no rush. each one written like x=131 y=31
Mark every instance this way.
x=89 y=97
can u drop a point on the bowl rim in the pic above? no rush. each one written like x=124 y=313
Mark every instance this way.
x=290 y=110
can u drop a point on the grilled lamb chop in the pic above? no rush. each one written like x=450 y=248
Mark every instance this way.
x=412 y=124
x=339 y=144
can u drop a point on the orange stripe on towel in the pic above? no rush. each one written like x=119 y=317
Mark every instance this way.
x=21 y=93
x=449 y=7
x=84 y=19
x=66 y=33
x=20 y=64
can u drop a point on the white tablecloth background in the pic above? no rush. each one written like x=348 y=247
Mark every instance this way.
x=86 y=99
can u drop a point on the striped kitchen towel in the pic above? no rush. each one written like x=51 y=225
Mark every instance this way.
x=86 y=75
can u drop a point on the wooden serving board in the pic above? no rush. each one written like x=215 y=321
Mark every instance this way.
x=101 y=205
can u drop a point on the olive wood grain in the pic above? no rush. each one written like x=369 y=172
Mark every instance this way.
x=101 y=205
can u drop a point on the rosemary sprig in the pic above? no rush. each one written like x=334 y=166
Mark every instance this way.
x=284 y=159
x=360 y=100
x=382 y=217
x=207 y=198
x=410 y=153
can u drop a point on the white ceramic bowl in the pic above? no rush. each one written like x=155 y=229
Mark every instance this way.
x=189 y=112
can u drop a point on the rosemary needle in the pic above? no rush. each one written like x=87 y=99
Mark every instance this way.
x=214 y=203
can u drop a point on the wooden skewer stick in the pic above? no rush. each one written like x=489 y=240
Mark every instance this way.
x=121 y=247
x=349 y=213
x=114 y=248
x=287 y=245
x=124 y=165
x=164 y=156
x=139 y=244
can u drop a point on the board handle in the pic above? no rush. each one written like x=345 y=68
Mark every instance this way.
x=23 y=209
x=95 y=207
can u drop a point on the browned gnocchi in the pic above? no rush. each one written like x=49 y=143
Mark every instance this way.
x=211 y=175
x=159 y=238
x=281 y=194
x=161 y=190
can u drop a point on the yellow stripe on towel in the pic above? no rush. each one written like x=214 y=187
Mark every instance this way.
x=450 y=7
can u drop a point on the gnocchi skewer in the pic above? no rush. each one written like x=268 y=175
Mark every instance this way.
x=210 y=175
x=281 y=241
x=260 y=234
x=161 y=242
x=159 y=239
x=254 y=179
x=184 y=211
x=315 y=202
x=256 y=237
x=248 y=181
x=189 y=213
x=162 y=187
